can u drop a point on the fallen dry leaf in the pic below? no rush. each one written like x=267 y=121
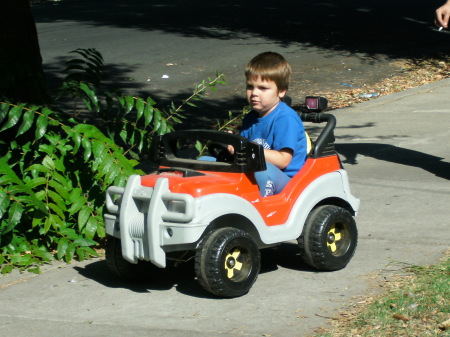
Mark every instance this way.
x=444 y=325
x=400 y=317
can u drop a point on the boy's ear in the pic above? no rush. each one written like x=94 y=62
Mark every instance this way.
x=282 y=93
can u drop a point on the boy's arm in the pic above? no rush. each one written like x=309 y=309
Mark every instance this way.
x=280 y=159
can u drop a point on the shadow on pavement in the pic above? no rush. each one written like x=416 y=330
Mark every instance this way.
x=182 y=277
x=394 y=154
x=394 y=28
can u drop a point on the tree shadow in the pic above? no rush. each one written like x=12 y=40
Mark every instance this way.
x=397 y=29
x=205 y=114
x=395 y=154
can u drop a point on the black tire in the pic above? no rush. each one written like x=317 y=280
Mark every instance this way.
x=329 y=238
x=227 y=262
x=116 y=263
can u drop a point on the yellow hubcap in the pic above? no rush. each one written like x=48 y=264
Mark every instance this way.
x=333 y=237
x=231 y=262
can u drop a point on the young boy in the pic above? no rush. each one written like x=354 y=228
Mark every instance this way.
x=272 y=123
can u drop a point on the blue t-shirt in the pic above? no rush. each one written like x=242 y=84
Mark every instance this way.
x=282 y=128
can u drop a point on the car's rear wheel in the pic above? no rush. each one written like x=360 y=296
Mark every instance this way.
x=329 y=238
x=227 y=262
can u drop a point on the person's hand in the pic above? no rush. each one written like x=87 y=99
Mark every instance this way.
x=443 y=15
x=230 y=147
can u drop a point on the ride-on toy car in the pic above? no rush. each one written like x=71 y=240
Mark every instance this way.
x=215 y=211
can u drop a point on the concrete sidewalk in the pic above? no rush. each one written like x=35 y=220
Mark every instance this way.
x=396 y=151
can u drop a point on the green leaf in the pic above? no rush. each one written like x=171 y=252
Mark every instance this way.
x=47 y=148
x=76 y=138
x=91 y=228
x=47 y=224
x=87 y=145
x=140 y=106
x=80 y=253
x=4 y=202
x=41 y=126
x=57 y=210
x=83 y=216
x=56 y=221
x=148 y=112
x=111 y=175
x=35 y=270
x=5 y=169
x=27 y=122
x=89 y=251
x=38 y=168
x=129 y=101
x=163 y=127
x=42 y=252
x=62 y=247
x=199 y=146
x=48 y=162
x=59 y=162
x=62 y=180
x=124 y=135
x=83 y=242
x=15 y=214
x=4 y=109
x=106 y=165
x=69 y=252
x=157 y=119
x=91 y=95
x=60 y=189
x=101 y=231
x=14 y=115
x=69 y=233
x=31 y=200
x=57 y=199
x=77 y=201
x=98 y=148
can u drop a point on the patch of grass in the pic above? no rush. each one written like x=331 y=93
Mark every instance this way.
x=416 y=304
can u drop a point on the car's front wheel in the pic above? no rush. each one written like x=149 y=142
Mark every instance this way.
x=227 y=262
x=122 y=268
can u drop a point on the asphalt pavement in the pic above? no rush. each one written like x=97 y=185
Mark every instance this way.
x=396 y=151
x=161 y=50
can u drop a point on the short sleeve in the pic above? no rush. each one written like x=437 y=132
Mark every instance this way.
x=288 y=131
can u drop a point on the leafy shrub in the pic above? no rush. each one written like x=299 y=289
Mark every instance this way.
x=55 y=167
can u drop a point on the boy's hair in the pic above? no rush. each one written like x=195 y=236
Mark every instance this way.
x=270 y=66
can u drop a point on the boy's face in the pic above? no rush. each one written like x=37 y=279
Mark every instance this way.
x=263 y=96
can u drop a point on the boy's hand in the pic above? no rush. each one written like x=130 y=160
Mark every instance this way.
x=230 y=147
